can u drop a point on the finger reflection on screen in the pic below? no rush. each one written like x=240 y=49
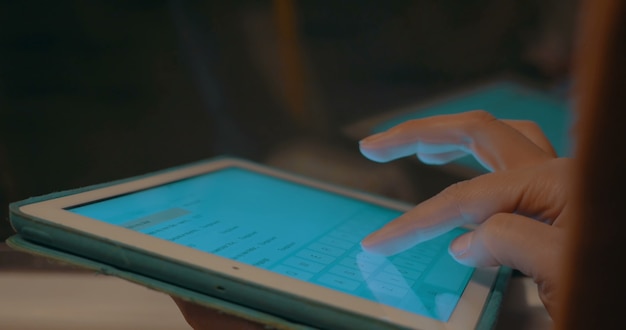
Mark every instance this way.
x=390 y=287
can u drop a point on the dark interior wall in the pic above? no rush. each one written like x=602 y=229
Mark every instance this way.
x=101 y=90
x=373 y=55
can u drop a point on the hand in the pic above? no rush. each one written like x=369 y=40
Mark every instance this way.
x=201 y=318
x=519 y=209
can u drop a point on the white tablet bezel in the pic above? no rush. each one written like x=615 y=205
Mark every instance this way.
x=467 y=312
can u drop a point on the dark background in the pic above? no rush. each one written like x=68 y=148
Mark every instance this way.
x=92 y=91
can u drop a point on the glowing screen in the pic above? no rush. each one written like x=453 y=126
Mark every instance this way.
x=295 y=230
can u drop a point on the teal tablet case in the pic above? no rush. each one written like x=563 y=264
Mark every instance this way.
x=23 y=225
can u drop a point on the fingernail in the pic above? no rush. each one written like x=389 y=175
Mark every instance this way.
x=372 y=243
x=373 y=248
x=369 y=241
x=372 y=138
x=460 y=246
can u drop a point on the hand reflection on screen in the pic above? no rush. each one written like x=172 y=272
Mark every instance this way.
x=389 y=286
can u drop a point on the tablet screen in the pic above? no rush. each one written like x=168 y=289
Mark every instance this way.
x=295 y=230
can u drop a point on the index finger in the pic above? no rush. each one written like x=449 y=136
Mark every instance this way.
x=496 y=144
x=525 y=192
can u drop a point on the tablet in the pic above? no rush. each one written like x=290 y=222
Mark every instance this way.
x=265 y=239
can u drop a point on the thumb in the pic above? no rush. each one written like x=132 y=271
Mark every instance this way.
x=512 y=240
